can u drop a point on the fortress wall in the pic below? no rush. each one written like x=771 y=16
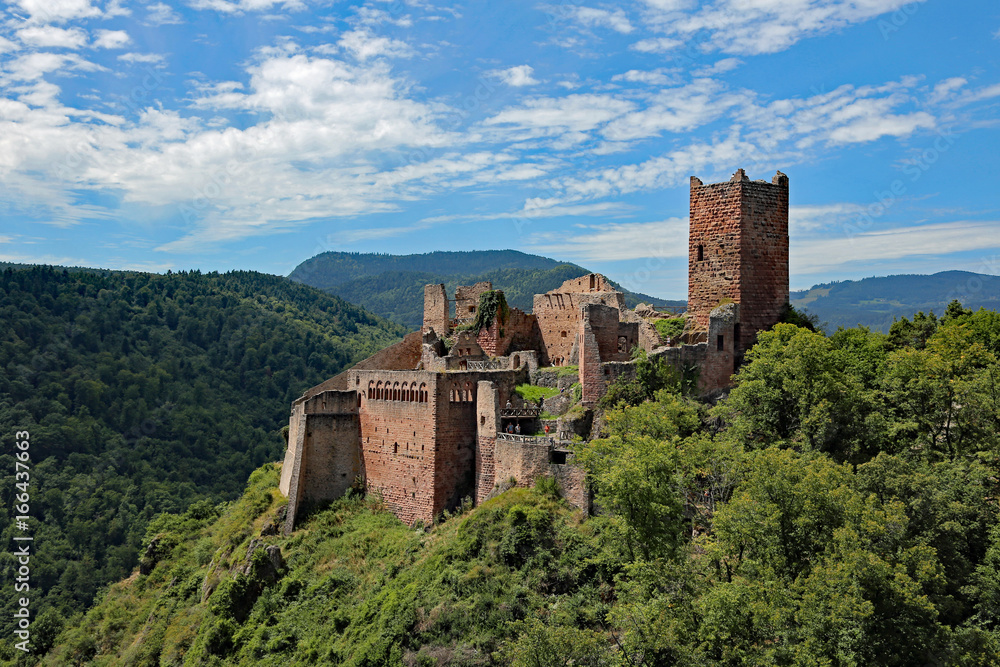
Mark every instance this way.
x=455 y=454
x=322 y=459
x=398 y=440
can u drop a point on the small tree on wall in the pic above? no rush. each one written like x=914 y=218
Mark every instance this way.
x=492 y=305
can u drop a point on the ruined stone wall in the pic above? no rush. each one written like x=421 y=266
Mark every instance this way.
x=419 y=436
x=591 y=374
x=467 y=299
x=764 y=254
x=720 y=360
x=398 y=439
x=436 y=309
x=323 y=458
x=713 y=246
x=454 y=464
x=573 y=484
x=525 y=460
x=558 y=314
x=488 y=425
x=520 y=332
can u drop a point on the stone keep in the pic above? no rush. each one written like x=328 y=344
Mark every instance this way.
x=738 y=252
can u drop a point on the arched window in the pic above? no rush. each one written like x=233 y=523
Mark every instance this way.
x=378 y=390
x=423 y=392
x=371 y=389
x=517 y=361
x=395 y=391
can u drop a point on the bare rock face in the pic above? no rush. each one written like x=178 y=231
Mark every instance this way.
x=267 y=569
x=645 y=310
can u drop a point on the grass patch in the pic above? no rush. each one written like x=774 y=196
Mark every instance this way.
x=670 y=328
x=561 y=371
x=533 y=393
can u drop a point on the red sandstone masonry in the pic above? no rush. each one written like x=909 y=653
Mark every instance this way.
x=558 y=313
x=738 y=251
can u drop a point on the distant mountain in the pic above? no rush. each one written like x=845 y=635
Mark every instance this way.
x=875 y=302
x=393 y=285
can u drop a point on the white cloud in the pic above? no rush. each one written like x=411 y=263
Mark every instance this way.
x=58 y=11
x=111 y=39
x=240 y=6
x=591 y=17
x=160 y=13
x=816 y=255
x=719 y=67
x=657 y=77
x=809 y=219
x=875 y=126
x=149 y=58
x=363 y=44
x=760 y=26
x=33 y=66
x=570 y=118
x=657 y=45
x=6 y=45
x=675 y=110
x=516 y=76
x=47 y=36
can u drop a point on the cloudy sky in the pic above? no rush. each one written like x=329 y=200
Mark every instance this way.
x=253 y=134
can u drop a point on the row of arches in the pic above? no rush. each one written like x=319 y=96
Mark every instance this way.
x=397 y=391
x=462 y=394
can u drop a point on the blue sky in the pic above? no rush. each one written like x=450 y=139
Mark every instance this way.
x=253 y=134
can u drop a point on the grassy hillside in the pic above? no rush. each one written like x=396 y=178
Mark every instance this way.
x=144 y=393
x=393 y=285
x=358 y=587
x=876 y=302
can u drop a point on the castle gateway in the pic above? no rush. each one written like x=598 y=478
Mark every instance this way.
x=435 y=418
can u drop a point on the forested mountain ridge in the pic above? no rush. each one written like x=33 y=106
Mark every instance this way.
x=876 y=302
x=838 y=507
x=393 y=285
x=143 y=393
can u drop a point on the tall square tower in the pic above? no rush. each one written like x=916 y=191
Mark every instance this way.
x=738 y=252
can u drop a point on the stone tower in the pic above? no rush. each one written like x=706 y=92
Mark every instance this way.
x=738 y=252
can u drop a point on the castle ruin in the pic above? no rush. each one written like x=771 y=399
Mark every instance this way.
x=427 y=422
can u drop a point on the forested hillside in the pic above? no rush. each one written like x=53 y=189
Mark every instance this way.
x=143 y=393
x=393 y=285
x=876 y=302
x=839 y=507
